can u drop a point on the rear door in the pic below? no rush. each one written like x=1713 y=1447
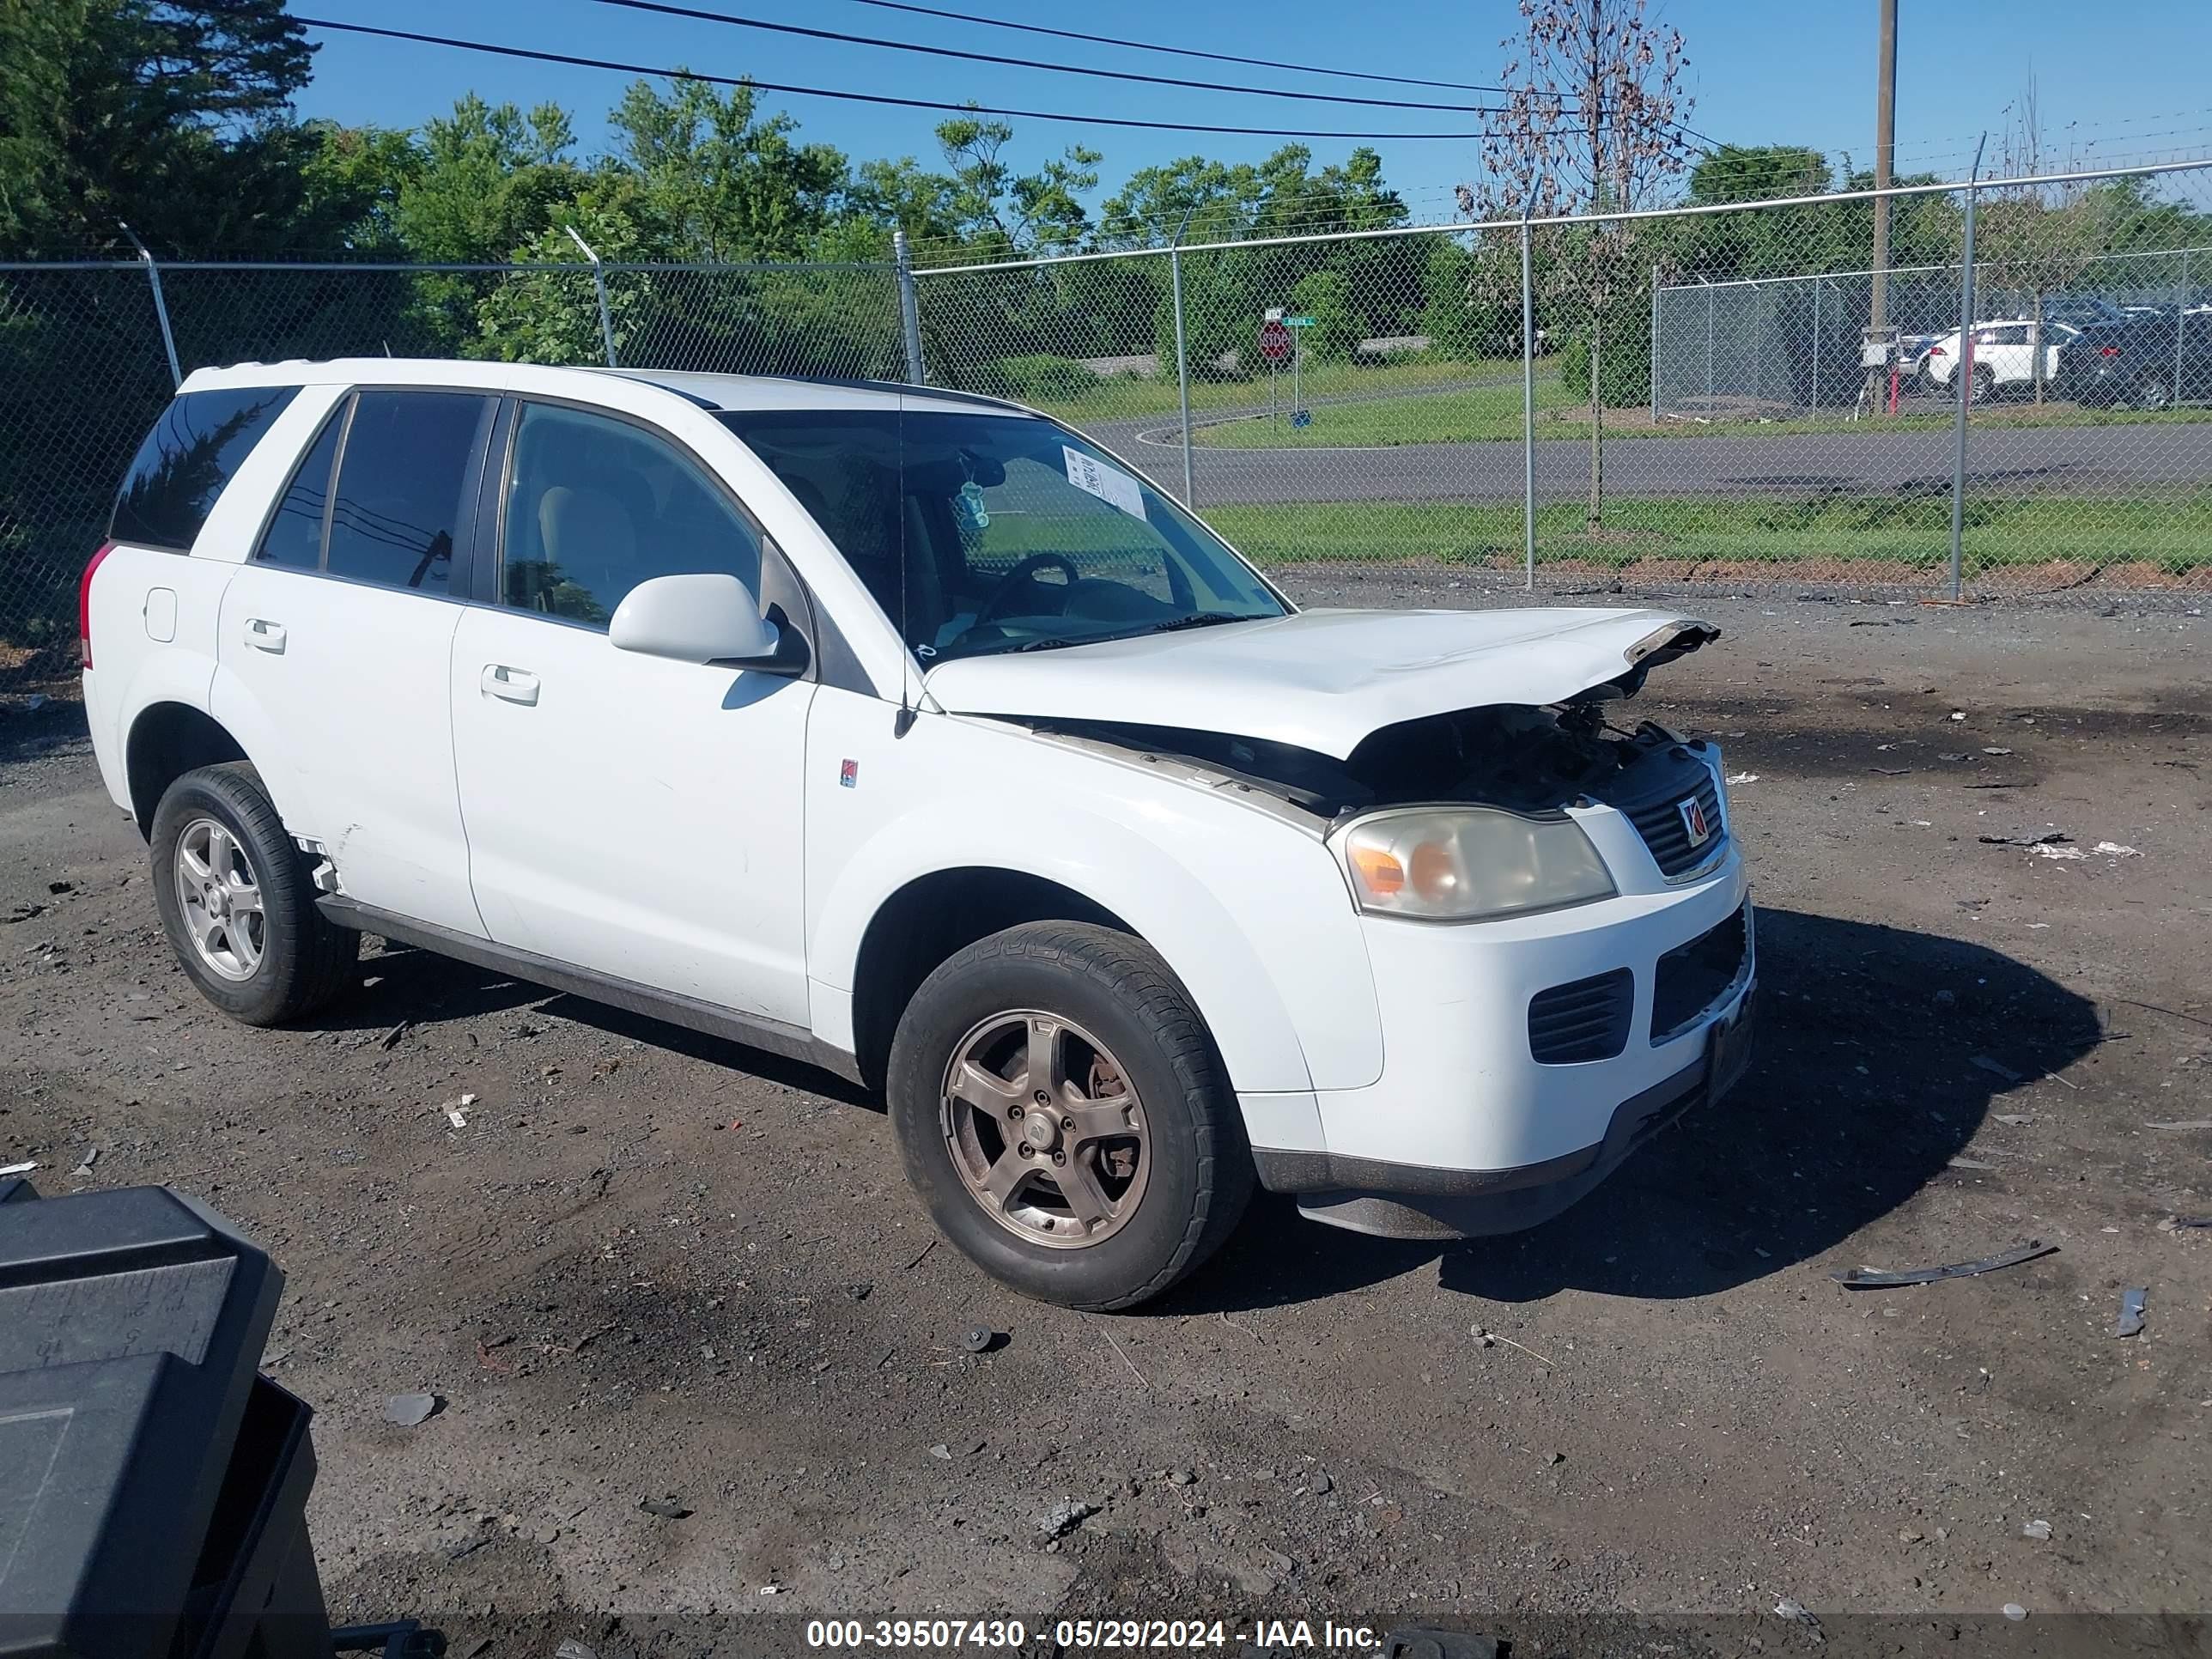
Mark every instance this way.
x=626 y=814
x=340 y=629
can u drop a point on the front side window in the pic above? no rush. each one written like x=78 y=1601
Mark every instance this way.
x=985 y=532
x=595 y=506
x=401 y=498
x=200 y=441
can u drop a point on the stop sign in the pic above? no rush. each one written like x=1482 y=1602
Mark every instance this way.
x=1274 y=342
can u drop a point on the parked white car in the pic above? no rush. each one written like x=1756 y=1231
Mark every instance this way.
x=913 y=734
x=2004 y=356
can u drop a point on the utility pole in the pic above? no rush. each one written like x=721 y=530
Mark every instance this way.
x=1885 y=154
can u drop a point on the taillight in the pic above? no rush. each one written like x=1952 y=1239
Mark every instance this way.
x=1935 y=351
x=84 y=604
x=2108 y=351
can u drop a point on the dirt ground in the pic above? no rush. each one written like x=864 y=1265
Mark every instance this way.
x=655 y=1266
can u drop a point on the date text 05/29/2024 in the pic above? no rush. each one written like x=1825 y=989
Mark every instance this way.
x=1088 y=1634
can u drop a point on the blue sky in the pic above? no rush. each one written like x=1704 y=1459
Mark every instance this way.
x=1762 y=70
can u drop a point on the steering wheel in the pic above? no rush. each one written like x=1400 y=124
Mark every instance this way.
x=1021 y=572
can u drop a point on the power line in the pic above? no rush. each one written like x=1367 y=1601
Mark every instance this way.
x=534 y=54
x=1179 y=52
x=667 y=9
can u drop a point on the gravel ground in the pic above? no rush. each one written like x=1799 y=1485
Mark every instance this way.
x=651 y=1265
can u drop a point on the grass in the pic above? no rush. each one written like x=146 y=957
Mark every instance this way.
x=1131 y=396
x=1493 y=414
x=2174 y=536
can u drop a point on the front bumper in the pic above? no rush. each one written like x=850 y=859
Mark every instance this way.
x=1466 y=1133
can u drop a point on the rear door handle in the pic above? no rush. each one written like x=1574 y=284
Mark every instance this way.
x=510 y=684
x=265 y=635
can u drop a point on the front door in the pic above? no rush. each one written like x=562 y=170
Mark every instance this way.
x=635 y=816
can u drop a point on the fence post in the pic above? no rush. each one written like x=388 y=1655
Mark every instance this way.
x=160 y=305
x=910 y=308
x=1655 y=341
x=1816 y=348
x=2180 y=322
x=598 y=282
x=1965 y=372
x=1182 y=365
x=1709 y=347
x=1528 y=411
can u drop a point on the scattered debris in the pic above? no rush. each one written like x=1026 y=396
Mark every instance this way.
x=1871 y=1278
x=2181 y=1223
x=390 y=1038
x=1130 y=1363
x=572 y=1649
x=2049 y=837
x=457 y=1112
x=1963 y=1163
x=1795 y=1611
x=2068 y=852
x=24 y=1168
x=1322 y=1485
x=2014 y=1611
x=84 y=1164
x=57 y=888
x=2015 y=1118
x=35 y=701
x=771 y=1589
x=917 y=1261
x=2190 y=1123
x=1958 y=714
x=1488 y=1337
x=1995 y=783
x=2112 y=849
x=1742 y=777
x=25 y=912
x=668 y=1508
x=407 y=1410
x=942 y=1452
x=2000 y=1069
x=1553 y=1459
x=859 y=1292
x=1890 y=771
x=980 y=1338
x=2039 y=1530
x=1063 y=1517
x=1992 y=749
x=2130 y=1322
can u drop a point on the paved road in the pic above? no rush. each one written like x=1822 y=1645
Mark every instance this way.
x=2090 y=460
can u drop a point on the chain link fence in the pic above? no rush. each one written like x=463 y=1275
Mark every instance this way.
x=1400 y=402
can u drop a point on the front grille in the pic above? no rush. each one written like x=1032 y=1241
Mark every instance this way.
x=1584 y=1020
x=1660 y=823
x=1692 y=977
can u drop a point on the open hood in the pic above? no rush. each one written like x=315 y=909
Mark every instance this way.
x=1321 y=680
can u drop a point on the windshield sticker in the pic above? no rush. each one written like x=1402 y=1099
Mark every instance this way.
x=1110 y=484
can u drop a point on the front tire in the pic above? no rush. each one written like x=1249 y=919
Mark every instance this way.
x=238 y=902
x=2152 y=394
x=1060 y=1107
x=1984 y=386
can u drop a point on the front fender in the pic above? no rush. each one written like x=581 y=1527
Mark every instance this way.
x=1250 y=914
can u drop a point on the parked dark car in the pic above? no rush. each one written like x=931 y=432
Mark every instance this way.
x=2147 y=361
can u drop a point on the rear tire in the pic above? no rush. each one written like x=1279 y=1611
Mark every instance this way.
x=238 y=902
x=1094 y=1214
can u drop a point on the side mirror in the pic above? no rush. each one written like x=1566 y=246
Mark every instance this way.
x=701 y=619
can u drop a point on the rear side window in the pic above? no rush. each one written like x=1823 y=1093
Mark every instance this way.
x=294 y=536
x=401 y=496
x=200 y=441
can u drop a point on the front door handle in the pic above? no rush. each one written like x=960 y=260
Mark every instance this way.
x=510 y=684
x=265 y=635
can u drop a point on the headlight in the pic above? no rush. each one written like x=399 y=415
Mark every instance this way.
x=1461 y=864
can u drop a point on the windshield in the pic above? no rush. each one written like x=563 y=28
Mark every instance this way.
x=1016 y=533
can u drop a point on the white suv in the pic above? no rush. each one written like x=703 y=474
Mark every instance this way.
x=911 y=734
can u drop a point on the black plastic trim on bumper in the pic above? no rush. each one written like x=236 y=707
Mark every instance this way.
x=1409 y=1200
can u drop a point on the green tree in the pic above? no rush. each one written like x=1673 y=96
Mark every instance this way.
x=173 y=118
x=1338 y=327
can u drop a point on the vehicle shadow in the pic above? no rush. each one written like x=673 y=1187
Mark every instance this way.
x=1864 y=1086
x=402 y=983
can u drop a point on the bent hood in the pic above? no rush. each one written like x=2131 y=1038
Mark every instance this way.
x=1320 y=679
